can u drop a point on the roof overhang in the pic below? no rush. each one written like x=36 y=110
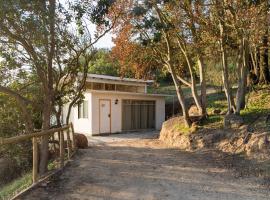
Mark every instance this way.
x=114 y=79
x=128 y=93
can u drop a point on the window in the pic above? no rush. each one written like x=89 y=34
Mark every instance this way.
x=98 y=86
x=126 y=88
x=83 y=110
x=109 y=86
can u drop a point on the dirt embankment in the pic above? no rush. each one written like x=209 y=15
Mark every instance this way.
x=255 y=144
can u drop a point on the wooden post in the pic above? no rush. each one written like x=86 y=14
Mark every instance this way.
x=54 y=145
x=58 y=134
x=68 y=144
x=73 y=137
x=35 y=159
x=62 y=150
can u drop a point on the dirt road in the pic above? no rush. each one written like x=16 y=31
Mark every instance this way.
x=132 y=167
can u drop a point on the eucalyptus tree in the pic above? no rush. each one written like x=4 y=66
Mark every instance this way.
x=236 y=27
x=49 y=42
x=158 y=33
x=264 y=69
x=188 y=20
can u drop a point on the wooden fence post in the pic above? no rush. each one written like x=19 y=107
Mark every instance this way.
x=73 y=137
x=35 y=159
x=68 y=144
x=62 y=149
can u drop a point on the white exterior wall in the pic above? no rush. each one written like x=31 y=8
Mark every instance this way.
x=116 y=109
x=90 y=125
x=82 y=125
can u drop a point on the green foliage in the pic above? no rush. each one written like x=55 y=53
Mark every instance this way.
x=103 y=64
x=10 y=190
x=214 y=72
x=52 y=165
x=10 y=123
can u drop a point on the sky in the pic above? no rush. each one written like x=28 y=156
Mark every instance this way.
x=105 y=42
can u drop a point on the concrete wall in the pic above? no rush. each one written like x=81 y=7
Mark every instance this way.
x=116 y=110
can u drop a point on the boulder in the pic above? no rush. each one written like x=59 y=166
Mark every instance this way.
x=193 y=111
x=81 y=141
x=233 y=121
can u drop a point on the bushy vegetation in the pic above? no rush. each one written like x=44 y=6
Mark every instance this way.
x=15 y=159
x=10 y=190
x=102 y=63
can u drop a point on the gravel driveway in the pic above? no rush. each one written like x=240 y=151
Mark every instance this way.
x=132 y=166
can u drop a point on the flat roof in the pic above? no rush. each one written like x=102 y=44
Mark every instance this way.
x=115 y=78
x=129 y=93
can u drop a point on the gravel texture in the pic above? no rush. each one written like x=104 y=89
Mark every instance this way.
x=139 y=166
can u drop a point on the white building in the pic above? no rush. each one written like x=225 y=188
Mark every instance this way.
x=114 y=104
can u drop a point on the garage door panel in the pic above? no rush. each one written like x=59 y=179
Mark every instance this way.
x=127 y=118
x=138 y=114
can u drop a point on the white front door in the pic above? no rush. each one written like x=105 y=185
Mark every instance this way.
x=105 y=116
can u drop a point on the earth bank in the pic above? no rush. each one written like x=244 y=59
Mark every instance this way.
x=230 y=140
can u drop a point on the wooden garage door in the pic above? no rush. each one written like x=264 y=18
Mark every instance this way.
x=138 y=114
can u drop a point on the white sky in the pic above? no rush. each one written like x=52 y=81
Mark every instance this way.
x=105 y=42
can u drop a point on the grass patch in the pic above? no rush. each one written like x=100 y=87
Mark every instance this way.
x=213 y=121
x=258 y=104
x=216 y=101
x=181 y=127
x=16 y=186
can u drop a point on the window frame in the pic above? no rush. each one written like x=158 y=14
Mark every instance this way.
x=83 y=110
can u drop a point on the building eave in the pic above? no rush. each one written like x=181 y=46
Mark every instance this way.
x=93 y=77
x=128 y=93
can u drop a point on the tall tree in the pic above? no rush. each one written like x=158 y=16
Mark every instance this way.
x=45 y=43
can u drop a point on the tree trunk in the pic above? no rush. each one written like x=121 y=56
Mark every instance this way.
x=242 y=69
x=58 y=115
x=179 y=91
x=48 y=92
x=44 y=151
x=180 y=96
x=225 y=73
x=193 y=87
x=264 y=67
x=202 y=69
